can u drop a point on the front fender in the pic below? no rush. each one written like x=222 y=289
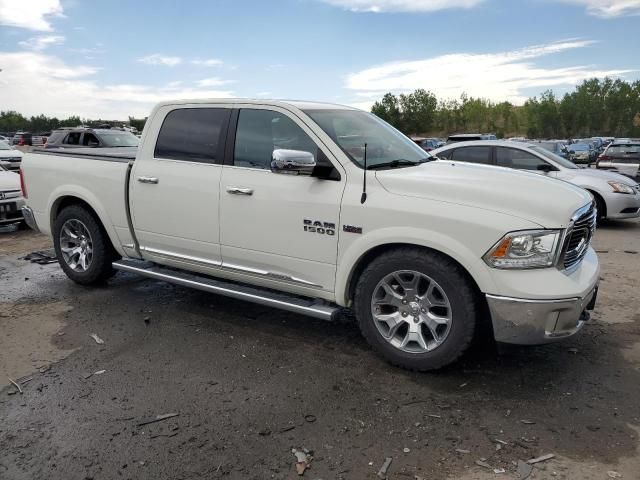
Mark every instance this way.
x=358 y=248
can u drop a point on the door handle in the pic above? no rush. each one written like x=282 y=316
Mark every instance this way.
x=239 y=191
x=152 y=180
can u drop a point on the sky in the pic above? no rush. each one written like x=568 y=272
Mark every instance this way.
x=116 y=58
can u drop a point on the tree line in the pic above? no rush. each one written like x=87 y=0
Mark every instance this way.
x=596 y=107
x=11 y=122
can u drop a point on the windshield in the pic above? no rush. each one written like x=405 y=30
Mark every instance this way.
x=563 y=162
x=579 y=147
x=627 y=148
x=4 y=146
x=351 y=129
x=117 y=138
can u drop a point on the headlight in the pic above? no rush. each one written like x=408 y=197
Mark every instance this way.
x=525 y=249
x=621 y=188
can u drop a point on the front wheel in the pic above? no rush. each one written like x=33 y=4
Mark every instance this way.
x=82 y=246
x=417 y=308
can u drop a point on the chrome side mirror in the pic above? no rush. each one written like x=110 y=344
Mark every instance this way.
x=292 y=162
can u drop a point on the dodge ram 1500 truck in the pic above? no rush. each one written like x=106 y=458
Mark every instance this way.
x=316 y=208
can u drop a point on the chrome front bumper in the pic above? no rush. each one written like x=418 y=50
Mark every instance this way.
x=29 y=218
x=532 y=322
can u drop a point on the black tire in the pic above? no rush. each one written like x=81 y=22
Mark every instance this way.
x=103 y=253
x=455 y=284
x=602 y=208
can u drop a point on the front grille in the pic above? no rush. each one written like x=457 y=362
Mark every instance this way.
x=6 y=194
x=579 y=236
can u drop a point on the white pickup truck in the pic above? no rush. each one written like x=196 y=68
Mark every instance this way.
x=316 y=208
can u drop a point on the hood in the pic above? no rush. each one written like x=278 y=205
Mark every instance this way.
x=604 y=175
x=548 y=202
x=10 y=153
x=9 y=181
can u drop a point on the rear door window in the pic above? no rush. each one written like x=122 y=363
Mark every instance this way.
x=193 y=134
x=89 y=139
x=472 y=154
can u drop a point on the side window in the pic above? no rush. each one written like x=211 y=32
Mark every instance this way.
x=89 y=139
x=472 y=154
x=446 y=154
x=193 y=134
x=518 y=159
x=73 y=138
x=260 y=132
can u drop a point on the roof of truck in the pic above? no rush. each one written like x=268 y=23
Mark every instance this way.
x=301 y=104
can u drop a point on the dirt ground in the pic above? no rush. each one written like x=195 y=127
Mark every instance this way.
x=248 y=384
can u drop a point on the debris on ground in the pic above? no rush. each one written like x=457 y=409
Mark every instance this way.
x=528 y=422
x=543 y=458
x=461 y=450
x=572 y=350
x=613 y=474
x=483 y=464
x=382 y=473
x=632 y=252
x=406 y=450
x=524 y=470
x=157 y=418
x=97 y=339
x=41 y=257
x=303 y=459
x=310 y=418
x=433 y=415
x=99 y=372
x=17 y=386
x=498 y=471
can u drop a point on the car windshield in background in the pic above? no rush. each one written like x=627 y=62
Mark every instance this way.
x=579 y=147
x=4 y=146
x=351 y=129
x=563 y=162
x=117 y=138
x=624 y=149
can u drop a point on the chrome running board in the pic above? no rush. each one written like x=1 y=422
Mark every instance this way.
x=262 y=296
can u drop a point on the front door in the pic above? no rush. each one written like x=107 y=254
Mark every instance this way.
x=174 y=188
x=275 y=227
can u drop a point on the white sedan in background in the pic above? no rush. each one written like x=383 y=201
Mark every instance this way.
x=10 y=157
x=616 y=196
x=11 y=199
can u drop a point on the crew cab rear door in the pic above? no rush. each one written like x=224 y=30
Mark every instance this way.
x=277 y=228
x=174 y=186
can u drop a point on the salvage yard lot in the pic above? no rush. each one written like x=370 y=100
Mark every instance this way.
x=249 y=383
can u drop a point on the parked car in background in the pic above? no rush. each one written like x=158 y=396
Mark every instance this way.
x=581 y=153
x=5 y=139
x=91 y=137
x=11 y=199
x=10 y=158
x=427 y=144
x=554 y=146
x=623 y=158
x=616 y=196
x=468 y=137
x=21 y=139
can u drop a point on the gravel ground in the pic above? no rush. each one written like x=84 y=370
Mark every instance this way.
x=248 y=384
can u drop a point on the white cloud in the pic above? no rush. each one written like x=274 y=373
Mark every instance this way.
x=212 y=82
x=29 y=14
x=158 y=59
x=209 y=62
x=401 y=5
x=608 y=8
x=34 y=83
x=42 y=42
x=496 y=76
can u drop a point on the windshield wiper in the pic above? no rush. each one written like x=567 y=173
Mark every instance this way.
x=401 y=162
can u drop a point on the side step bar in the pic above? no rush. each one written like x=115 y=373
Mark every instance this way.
x=283 y=301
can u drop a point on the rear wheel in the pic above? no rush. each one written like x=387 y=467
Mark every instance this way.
x=417 y=308
x=82 y=246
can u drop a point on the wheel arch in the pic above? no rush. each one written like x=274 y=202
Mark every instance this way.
x=66 y=200
x=598 y=197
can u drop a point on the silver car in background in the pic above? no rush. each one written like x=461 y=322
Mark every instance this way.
x=616 y=196
x=622 y=157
